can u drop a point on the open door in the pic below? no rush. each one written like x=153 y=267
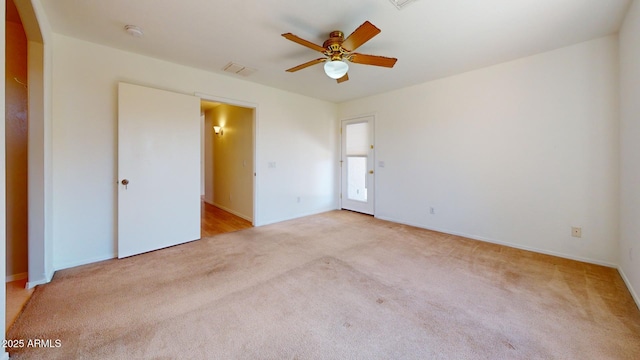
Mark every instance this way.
x=158 y=169
x=357 y=165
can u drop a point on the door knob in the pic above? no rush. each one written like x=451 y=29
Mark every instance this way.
x=125 y=182
x=370 y=171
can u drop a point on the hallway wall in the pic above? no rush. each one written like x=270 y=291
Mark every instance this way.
x=233 y=159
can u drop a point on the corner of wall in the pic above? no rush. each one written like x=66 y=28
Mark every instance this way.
x=45 y=278
x=632 y=291
x=629 y=134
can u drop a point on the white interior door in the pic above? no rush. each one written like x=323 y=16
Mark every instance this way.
x=357 y=165
x=158 y=169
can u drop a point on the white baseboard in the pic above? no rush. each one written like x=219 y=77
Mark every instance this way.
x=208 y=202
x=32 y=284
x=297 y=216
x=70 y=264
x=15 y=277
x=634 y=295
x=509 y=244
x=44 y=279
x=248 y=218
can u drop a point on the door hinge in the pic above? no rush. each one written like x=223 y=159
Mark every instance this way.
x=340 y=131
x=340 y=195
x=372 y=146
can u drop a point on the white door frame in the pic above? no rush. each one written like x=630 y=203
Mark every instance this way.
x=207 y=97
x=369 y=206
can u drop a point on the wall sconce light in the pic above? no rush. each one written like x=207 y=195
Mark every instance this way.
x=218 y=130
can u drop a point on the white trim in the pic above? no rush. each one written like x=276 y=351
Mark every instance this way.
x=231 y=211
x=298 y=216
x=32 y=284
x=373 y=114
x=209 y=202
x=71 y=264
x=512 y=245
x=16 y=277
x=634 y=295
x=46 y=278
x=370 y=205
x=5 y=356
x=242 y=103
x=358 y=116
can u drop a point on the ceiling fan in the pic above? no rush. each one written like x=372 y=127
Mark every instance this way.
x=337 y=49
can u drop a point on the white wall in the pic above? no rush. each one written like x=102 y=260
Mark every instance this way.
x=630 y=149
x=516 y=153
x=296 y=132
x=233 y=159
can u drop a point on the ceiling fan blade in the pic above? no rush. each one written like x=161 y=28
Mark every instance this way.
x=304 y=42
x=361 y=35
x=343 y=79
x=307 y=64
x=373 y=60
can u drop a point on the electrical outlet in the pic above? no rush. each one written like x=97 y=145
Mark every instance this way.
x=576 y=231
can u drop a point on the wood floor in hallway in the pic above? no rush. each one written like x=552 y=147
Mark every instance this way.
x=216 y=221
x=17 y=297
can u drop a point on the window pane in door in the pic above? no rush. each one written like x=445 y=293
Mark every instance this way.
x=357 y=139
x=357 y=178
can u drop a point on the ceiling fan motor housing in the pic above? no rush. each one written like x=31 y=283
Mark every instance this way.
x=334 y=41
x=334 y=45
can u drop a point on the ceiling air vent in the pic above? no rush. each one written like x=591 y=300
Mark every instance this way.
x=401 y=3
x=238 y=69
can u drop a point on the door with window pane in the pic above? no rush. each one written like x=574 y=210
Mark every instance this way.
x=357 y=165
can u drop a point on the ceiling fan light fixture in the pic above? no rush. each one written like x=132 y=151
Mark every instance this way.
x=336 y=69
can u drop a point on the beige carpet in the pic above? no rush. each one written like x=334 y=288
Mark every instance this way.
x=338 y=285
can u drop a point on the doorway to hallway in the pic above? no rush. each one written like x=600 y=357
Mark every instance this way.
x=228 y=157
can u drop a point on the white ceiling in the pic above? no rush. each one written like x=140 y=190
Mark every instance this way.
x=431 y=38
